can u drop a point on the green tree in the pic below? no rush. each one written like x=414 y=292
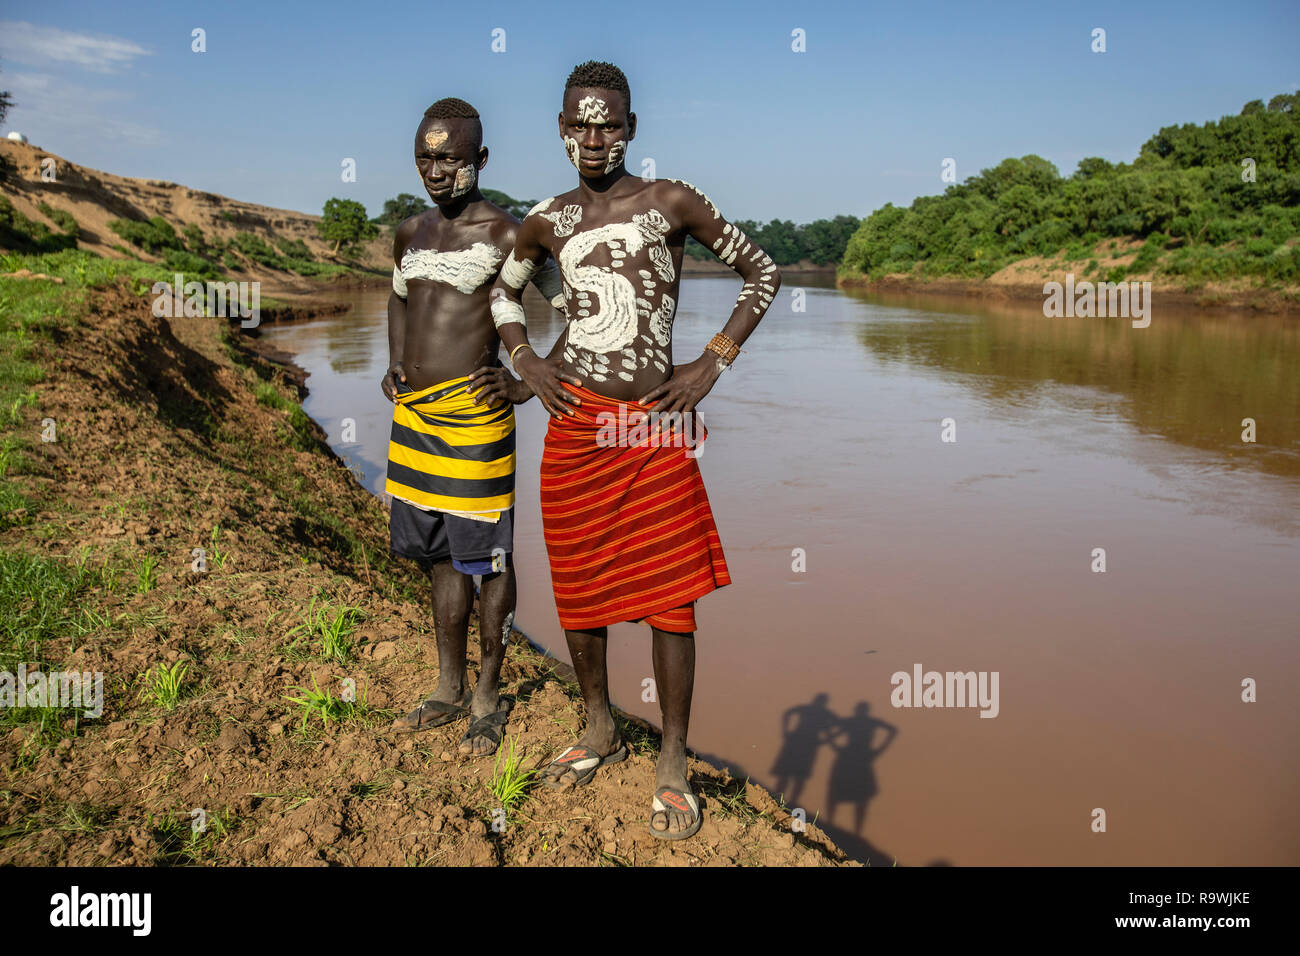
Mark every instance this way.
x=403 y=207
x=343 y=222
x=6 y=102
x=1185 y=190
x=516 y=207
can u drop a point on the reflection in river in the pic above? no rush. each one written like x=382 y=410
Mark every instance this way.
x=863 y=545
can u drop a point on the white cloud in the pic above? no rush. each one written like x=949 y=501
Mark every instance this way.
x=64 y=116
x=32 y=43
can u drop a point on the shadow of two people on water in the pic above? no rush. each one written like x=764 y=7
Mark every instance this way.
x=807 y=729
x=856 y=742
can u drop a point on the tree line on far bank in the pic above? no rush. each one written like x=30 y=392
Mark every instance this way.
x=1212 y=201
x=821 y=242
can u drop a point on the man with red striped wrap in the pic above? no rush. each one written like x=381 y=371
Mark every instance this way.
x=627 y=522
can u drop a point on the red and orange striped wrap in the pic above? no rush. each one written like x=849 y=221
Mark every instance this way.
x=629 y=531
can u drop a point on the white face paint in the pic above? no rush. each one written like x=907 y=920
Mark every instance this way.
x=463 y=269
x=434 y=138
x=616 y=154
x=571 y=147
x=466 y=177
x=592 y=109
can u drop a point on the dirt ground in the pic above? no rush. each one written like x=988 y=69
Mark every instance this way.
x=172 y=435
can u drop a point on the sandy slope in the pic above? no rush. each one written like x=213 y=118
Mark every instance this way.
x=94 y=197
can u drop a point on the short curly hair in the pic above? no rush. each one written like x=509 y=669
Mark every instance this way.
x=451 y=108
x=602 y=76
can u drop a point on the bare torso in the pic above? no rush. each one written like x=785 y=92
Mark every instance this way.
x=449 y=267
x=620 y=259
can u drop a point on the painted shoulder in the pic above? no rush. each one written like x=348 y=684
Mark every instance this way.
x=683 y=185
x=541 y=207
x=561 y=215
x=406 y=230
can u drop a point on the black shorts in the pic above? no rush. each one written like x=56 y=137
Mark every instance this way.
x=474 y=547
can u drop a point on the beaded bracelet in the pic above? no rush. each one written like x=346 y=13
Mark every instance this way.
x=723 y=347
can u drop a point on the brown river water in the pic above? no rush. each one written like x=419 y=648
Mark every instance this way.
x=862 y=545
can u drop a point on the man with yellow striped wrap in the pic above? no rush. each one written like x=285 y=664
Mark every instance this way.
x=450 y=456
x=451 y=460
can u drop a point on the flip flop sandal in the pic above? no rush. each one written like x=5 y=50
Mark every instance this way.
x=583 y=761
x=491 y=726
x=683 y=801
x=443 y=713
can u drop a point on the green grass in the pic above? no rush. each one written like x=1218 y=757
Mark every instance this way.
x=510 y=782
x=146 y=574
x=41 y=603
x=327 y=708
x=179 y=842
x=163 y=685
x=218 y=556
x=19 y=232
x=300 y=433
x=729 y=800
x=79 y=269
x=329 y=628
x=61 y=217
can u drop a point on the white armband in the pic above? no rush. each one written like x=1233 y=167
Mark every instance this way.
x=515 y=273
x=399 y=283
x=504 y=311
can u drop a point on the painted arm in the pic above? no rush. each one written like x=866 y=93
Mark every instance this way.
x=701 y=219
x=542 y=376
x=490 y=384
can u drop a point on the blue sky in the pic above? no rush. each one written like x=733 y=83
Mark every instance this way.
x=883 y=93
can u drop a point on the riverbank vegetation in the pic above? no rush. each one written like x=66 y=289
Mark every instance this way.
x=1215 y=201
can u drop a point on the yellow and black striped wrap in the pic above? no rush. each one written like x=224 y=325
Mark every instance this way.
x=448 y=454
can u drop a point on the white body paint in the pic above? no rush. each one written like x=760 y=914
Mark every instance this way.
x=515 y=273
x=463 y=269
x=661 y=323
x=613 y=324
x=564 y=220
x=546 y=277
x=695 y=189
x=504 y=311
